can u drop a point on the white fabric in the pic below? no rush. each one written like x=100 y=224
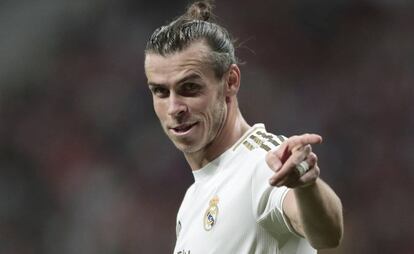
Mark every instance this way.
x=250 y=218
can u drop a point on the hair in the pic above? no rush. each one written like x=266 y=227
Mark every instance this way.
x=195 y=25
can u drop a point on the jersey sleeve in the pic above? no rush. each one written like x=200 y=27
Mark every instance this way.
x=267 y=202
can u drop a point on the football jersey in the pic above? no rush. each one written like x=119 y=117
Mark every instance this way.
x=231 y=208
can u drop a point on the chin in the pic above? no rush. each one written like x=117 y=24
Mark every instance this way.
x=187 y=148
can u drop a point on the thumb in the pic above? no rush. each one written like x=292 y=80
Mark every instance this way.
x=273 y=161
x=283 y=152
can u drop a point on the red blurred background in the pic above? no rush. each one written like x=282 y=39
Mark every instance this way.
x=85 y=167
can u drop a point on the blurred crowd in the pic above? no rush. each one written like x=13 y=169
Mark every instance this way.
x=85 y=167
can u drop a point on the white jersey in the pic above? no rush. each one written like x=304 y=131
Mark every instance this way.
x=232 y=209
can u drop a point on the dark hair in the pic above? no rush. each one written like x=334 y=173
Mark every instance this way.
x=195 y=25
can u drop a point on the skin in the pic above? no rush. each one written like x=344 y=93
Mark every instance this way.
x=313 y=208
x=186 y=91
x=200 y=114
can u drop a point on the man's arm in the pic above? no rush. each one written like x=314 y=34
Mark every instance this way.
x=315 y=212
x=313 y=208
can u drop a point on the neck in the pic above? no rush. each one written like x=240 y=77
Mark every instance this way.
x=233 y=129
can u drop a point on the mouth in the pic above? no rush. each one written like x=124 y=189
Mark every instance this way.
x=183 y=129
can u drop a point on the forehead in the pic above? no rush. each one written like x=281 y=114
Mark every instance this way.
x=170 y=68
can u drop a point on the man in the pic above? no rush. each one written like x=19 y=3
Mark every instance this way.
x=254 y=192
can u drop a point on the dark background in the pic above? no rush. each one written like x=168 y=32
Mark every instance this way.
x=85 y=167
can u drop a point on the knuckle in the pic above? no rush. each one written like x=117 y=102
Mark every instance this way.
x=293 y=139
x=314 y=173
x=312 y=158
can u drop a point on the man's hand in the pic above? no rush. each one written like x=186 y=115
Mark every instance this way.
x=285 y=159
x=312 y=207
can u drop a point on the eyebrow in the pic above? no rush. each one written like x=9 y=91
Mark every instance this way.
x=184 y=79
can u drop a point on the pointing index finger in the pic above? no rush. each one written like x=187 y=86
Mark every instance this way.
x=303 y=140
x=294 y=143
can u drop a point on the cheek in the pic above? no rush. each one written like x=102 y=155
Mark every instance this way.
x=215 y=114
x=159 y=109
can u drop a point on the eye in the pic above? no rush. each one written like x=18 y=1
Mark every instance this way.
x=159 y=91
x=190 y=89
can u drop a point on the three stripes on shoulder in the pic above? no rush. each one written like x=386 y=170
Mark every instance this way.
x=263 y=140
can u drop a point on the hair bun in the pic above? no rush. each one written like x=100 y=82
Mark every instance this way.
x=200 y=10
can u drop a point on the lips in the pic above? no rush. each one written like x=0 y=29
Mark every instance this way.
x=183 y=128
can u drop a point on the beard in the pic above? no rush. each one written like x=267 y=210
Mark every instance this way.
x=208 y=128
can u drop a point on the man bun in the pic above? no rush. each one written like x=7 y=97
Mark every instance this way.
x=196 y=24
x=200 y=10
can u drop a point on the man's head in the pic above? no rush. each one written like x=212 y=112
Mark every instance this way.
x=191 y=71
x=193 y=26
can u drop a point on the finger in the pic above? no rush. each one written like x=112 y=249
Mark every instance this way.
x=308 y=178
x=284 y=151
x=288 y=180
x=276 y=158
x=290 y=165
x=312 y=159
x=303 y=140
x=294 y=179
x=273 y=161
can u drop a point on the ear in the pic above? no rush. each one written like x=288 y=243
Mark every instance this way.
x=232 y=81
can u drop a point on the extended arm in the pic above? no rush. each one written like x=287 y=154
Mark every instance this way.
x=313 y=208
x=315 y=212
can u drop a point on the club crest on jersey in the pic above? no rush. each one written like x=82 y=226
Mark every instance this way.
x=210 y=217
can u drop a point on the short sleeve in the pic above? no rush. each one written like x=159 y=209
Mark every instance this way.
x=267 y=202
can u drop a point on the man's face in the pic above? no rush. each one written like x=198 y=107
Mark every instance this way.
x=188 y=98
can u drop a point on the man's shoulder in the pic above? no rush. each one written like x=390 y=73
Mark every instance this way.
x=258 y=139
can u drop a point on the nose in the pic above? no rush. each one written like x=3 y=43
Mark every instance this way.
x=176 y=106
